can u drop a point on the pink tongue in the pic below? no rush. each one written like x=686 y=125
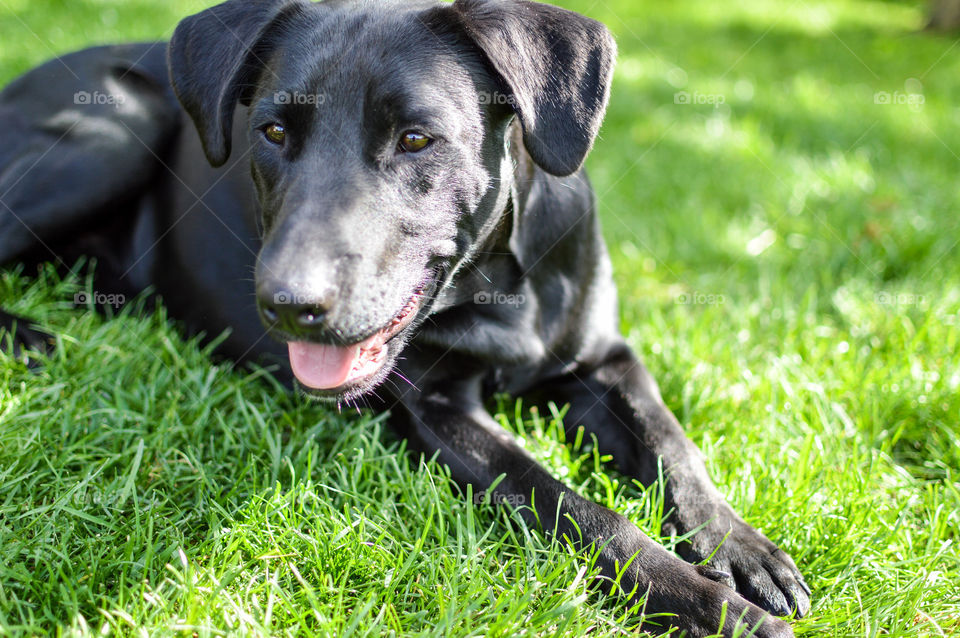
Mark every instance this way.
x=321 y=367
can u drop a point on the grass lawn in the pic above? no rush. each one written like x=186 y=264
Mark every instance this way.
x=778 y=184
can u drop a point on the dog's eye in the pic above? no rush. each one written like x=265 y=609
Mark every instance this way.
x=413 y=142
x=276 y=134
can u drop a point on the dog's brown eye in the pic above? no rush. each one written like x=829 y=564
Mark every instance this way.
x=275 y=133
x=412 y=142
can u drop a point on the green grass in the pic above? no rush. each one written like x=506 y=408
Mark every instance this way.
x=787 y=262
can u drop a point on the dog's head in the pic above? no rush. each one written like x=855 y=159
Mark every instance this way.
x=378 y=137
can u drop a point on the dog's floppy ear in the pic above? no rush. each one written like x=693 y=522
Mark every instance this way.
x=215 y=57
x=556 y=64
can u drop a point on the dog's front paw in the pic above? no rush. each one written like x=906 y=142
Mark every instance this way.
x=747 y=561
x=714 y=610
x=689 y=598
x=683 y=596
x=22 y=341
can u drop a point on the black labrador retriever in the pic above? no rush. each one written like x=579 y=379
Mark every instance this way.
x=421 y=232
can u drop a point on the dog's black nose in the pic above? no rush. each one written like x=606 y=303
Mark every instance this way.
x=291 y=309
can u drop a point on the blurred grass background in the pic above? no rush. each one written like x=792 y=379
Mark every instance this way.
x=778 y=184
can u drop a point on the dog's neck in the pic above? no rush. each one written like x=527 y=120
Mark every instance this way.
x=494 y=241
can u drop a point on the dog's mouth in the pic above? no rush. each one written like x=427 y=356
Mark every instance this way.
x=329 y=370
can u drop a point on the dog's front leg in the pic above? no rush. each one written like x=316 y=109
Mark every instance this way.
x=617 y=401
x=21 y=341
x=478 y=451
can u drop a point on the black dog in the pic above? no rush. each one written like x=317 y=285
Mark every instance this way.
x=416 y=183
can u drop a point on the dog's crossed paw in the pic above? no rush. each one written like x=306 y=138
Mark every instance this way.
x=701 y=607
x=745 y=560
x=672 y=593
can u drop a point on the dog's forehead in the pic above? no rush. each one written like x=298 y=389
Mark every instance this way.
x=343 y=41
